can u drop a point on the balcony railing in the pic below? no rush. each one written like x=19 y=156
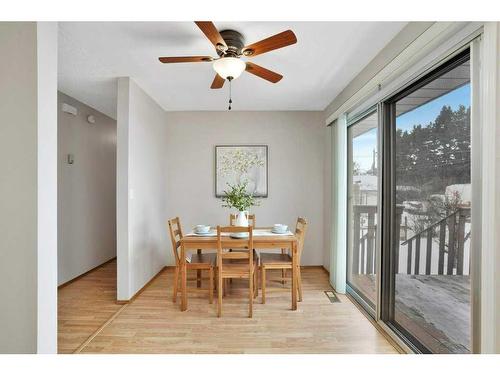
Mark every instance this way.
x=451 y=236
x=364 y=245
x=444 y=244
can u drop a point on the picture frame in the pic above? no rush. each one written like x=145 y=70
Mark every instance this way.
x=242 y=163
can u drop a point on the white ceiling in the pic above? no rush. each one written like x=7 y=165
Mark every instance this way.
x=324 y=60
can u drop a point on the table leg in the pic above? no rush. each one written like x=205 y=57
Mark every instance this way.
x=183 y=280
x=294 y=275
x=198 y=273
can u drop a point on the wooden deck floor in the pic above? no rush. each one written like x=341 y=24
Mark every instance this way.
x=153 y=324
x=434 y=308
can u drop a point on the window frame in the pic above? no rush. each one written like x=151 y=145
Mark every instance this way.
x=388 y=193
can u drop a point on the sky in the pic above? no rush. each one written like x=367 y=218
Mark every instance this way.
x=429 y=111
x=362 y=150
x=364 y=144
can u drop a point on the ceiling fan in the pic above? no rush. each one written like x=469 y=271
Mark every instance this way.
x=230 y=47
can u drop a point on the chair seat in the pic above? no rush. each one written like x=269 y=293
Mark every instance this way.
x=275 y=259
x=207 y=258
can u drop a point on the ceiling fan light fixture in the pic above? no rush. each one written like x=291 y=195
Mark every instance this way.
x=229 y=67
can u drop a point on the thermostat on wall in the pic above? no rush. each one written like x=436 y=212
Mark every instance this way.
x=66 y=108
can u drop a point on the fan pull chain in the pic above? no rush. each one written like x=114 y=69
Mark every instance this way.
x=230 y=100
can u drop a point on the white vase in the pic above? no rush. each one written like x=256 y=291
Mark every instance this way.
x=241 y=219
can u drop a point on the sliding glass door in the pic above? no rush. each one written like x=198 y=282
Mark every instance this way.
x=362 y=190
x=412 y=213
x=428 y=292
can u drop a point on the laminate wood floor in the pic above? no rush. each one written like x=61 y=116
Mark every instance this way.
x=152 y=323
x=85 y=305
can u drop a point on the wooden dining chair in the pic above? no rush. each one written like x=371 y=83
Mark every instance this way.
x=283 y=261
x=236 y=264
x=251 y=220
x=198 y=262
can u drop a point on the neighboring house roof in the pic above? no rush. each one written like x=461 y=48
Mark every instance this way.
x=366 y=182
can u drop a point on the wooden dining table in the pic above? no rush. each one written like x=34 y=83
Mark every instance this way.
x=263 y=238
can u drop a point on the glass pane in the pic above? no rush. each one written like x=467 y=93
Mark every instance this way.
x=433 y=197
x=362 y=207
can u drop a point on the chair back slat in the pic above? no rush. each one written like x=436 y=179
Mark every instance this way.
x=225 y=244
x=174 y=226
x=251 y=219
x=235 y=254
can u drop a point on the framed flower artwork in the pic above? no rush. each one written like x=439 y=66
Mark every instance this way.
x=242 y=164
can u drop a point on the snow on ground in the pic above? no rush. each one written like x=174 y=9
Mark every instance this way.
x=463 y=189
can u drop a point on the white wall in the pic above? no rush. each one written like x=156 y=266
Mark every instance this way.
x=18 y=191
x=47 y=187
x=497 y=208
x=296 y=169
x=87 y=190
x=28 y=187
x=142 y=192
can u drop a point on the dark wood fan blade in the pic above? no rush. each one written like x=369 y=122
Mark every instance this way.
x=218 y=82
x=211 y=32
x=181 y=59
x=261 y=72
x=280 y=40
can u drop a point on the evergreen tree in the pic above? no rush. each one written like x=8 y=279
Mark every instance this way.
x=436 y=155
